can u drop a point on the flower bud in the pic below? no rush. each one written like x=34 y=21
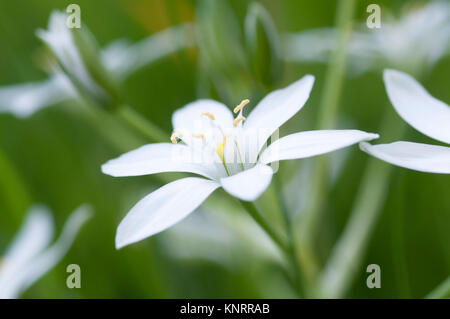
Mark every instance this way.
x=263 y=45
x=78 y=57
x=219 y=38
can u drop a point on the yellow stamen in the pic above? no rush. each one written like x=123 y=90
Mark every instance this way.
x=175 y=136
x=199 y=135
x=209 y=115
x=221 y=146
x=219 y=150
x=241 y=105
x=237 y=120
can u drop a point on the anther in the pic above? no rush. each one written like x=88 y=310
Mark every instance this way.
x=175 y=137
x=237 y=120
x=209 y=115
x=241 y=105
x=199 y=135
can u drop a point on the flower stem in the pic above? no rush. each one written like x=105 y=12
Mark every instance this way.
x=347 y=255
x=118 y=135
x=327 y=118
x=287 y=249
x=259 y=219
x=13 y=188
x=141 y=124
x=335 y=74
x=440 y=292
x=291 y=239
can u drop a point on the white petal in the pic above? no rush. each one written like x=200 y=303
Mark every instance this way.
x=60 y=40
x=249 y=184
x=416 y=156
x=24 y=99
x=34 y=236
x=278 y=107
x=312 y=143
x=28 y=274
x=417 y=107
x=123 y=58
x=318 y=44
x=189 y=119
x=163 y=208
x=163 y=157
x=310 y=45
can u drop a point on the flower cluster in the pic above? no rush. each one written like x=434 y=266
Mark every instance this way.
x=404 y=43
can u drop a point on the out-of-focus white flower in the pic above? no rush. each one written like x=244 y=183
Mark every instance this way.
x=22 y=100
x=62 y=43
x=123 y=58
x=120 y=58
x=427 y=115
x=227 y=237
x=29 y=257
x=225 y=150
x=414 y=42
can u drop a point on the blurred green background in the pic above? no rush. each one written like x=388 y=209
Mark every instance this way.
x=58 y=153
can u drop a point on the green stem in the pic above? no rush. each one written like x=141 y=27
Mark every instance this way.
x=327 y=118
x=13 y=189
x=259 y=219
x=287 y=249
x=398 y=245
x=113 y=130
x=291 y=239
x=141 y=124
x=118 y=135
x=335 y=75
x=440 y=292
x=347 y=255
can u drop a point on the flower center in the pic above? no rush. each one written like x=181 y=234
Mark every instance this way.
x=216 y=137
x=177 y=136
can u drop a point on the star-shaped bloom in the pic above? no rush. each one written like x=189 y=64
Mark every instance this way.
x=29 y=257
x=120 y=58
x=228 y=152
x=418 y=39
x=426 y=114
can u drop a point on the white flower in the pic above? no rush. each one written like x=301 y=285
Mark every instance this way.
x=414 y=42
x=29 y=257
x=227 y=151
x=23 y=100
x=427 y=115
x=61 y=41
x=120 y=58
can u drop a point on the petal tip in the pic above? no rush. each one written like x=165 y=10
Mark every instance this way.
x=105 y=168
x=121 y=241
x=364 y=146
x=372 y=136
x=110 y=169
x=390 y=75
x=310 y=77
x=390 y=72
